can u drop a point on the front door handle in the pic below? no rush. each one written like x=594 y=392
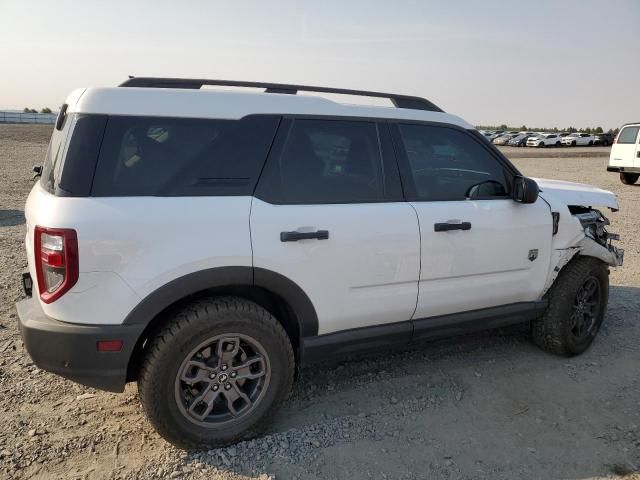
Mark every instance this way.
x=446 y=227
x=295 y=236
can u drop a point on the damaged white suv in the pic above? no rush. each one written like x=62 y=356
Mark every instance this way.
x=207 y=243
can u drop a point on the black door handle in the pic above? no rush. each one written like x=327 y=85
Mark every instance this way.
x=446 y=227
x=295 y=236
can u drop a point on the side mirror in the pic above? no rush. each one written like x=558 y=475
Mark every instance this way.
x=525 y=190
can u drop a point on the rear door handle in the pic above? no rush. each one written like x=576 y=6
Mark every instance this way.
x=295 y=236
x=446 y=227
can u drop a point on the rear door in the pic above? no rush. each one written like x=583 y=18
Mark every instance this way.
x=624 y=152
x=480 y=249
x=328 y=214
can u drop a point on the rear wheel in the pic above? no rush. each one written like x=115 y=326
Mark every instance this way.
x=577 y=304
x=557 y=144
x=541 y=145
x=629 y=178
x=590 y=142
x=216 y=373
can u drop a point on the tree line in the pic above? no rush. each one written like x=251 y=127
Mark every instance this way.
x=524 y=128
x=33 y=110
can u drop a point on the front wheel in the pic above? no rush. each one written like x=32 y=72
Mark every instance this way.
x=577 y=304
x=590 y=142
x=540 y=145
x=216 y=373
x=629 y=178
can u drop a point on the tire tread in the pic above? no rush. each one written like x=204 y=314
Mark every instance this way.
x=199 y=310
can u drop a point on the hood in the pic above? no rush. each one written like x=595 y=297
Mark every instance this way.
x=577 y=194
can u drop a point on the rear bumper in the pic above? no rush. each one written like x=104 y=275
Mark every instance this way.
x=70 y=350
x=623 y=169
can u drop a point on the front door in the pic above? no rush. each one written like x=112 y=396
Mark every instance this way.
x=328 y=214
x=480 y=249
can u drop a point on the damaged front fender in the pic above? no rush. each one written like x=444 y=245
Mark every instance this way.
x=608 y=254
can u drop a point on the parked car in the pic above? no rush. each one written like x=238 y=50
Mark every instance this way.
x=519 y=140
x=504 y=139
x=578 y=138
x=625 y=154
x=496 y=134
x=544 y=140
x=604 y=139
x=204 y=246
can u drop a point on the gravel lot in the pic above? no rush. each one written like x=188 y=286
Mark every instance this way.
x=489 y=405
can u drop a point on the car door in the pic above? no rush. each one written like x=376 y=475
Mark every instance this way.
x=328 y=215
x=480 y=248
x=636 y=154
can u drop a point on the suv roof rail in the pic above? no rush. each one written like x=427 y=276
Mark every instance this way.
x=399 y=101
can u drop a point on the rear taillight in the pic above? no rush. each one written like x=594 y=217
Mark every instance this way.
x=56 y=257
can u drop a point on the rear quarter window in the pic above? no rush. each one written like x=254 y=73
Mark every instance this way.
x=628 y=135
x=157 y=156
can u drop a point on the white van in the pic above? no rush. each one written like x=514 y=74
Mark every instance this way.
x=625 y=154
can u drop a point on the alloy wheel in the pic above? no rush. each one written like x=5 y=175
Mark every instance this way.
x=222 y=380
x=586 y=309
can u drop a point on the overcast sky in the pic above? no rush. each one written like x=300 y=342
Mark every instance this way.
x=541 y=63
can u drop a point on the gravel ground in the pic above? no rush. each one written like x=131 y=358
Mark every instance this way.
x=487 y=406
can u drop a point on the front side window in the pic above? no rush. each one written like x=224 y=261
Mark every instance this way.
x=448 y=164
x=326 y=161
x=628 y=135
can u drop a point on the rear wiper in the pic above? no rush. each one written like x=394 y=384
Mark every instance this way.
x=37 y=171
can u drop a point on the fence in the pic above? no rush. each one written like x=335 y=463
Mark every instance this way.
x=21 y=117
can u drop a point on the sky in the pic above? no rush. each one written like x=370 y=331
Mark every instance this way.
x=540 y=63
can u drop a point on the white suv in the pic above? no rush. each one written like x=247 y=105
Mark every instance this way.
x=579 y=139
x=625 y=154
x=544 y=140
x=207 y=243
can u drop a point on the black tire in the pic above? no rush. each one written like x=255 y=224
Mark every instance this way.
x=171 y=354
x=590 y=142
x=573 y=144
x=555 y=331
x=541 y=145
x=629 y=178
x=557 y=144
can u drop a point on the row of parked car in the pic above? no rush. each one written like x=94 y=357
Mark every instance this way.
x=547 y=139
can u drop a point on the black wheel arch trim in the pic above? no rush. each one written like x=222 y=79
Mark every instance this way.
x=193 y=283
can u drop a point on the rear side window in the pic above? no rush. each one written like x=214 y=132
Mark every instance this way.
x=326 y=161
x=628 y=135
x=447 y=164
x=145 y=156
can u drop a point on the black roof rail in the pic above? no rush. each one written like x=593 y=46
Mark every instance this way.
x=400 y=101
